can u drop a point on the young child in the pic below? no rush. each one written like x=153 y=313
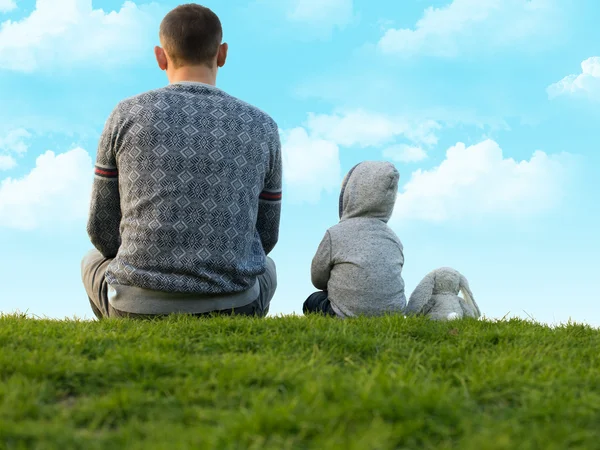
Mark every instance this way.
x=358 y=266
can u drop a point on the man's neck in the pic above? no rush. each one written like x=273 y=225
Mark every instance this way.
x=198 y=74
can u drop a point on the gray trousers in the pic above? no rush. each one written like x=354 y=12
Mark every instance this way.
x=93 y=270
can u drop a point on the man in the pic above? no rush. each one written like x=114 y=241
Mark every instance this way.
x=187 y=191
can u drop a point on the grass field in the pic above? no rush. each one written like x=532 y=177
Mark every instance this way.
x=295 y=383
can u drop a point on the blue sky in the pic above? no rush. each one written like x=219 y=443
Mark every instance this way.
x=488 y=108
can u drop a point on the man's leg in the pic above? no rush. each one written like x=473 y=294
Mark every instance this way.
x=259 y=307
x=93 y=268
x=318 y=303
x=268 y=286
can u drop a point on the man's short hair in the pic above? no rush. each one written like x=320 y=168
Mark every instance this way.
x=191 y=35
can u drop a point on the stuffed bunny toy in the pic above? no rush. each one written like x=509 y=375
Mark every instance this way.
x=436 y=296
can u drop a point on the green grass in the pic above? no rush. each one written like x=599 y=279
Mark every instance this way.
x=295 y=383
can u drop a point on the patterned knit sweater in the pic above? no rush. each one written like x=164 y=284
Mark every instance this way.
x=187 y=191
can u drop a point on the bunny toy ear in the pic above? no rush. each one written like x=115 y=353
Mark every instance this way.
x=421 y=295
x=468 y=295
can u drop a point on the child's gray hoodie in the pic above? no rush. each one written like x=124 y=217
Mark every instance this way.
x=359 y=261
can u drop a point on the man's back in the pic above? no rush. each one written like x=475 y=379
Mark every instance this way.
x=199 y=181
x=187 y=194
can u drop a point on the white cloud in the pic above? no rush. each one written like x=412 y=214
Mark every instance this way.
x=7 y=162
x=15 y=141
x=60 y=33
x=586 y=83
x=311 y=152
x=367 y=129
x=321 y=13
x=57 y=190
x=7 y=5
x=405 y=153
x=478 y=181
x=311 y=165
x=447 y=31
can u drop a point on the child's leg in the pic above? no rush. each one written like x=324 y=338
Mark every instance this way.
x=318 y=303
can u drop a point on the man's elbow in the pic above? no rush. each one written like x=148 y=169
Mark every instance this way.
x=108 y=250
x=269 y=247
x=269 y=241
x=108 y=247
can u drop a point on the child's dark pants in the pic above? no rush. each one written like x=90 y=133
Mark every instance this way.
x=318 y=303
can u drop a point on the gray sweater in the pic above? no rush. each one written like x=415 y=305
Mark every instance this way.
x=359 y=261
x=187 y=193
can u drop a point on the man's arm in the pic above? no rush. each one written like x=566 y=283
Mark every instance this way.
x=105 y=206
x=320 y=270
x=269 y=203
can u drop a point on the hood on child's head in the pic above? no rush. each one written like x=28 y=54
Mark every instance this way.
x=369 y=190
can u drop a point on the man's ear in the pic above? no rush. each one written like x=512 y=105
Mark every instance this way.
x=161 y=58
x=222 y=54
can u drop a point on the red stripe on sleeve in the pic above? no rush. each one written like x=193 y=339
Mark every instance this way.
x=106 y=173
x=270 y=195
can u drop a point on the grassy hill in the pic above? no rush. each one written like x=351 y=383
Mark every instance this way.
x=295 y=383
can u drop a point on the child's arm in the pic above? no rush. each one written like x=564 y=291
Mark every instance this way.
x=321 y=264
